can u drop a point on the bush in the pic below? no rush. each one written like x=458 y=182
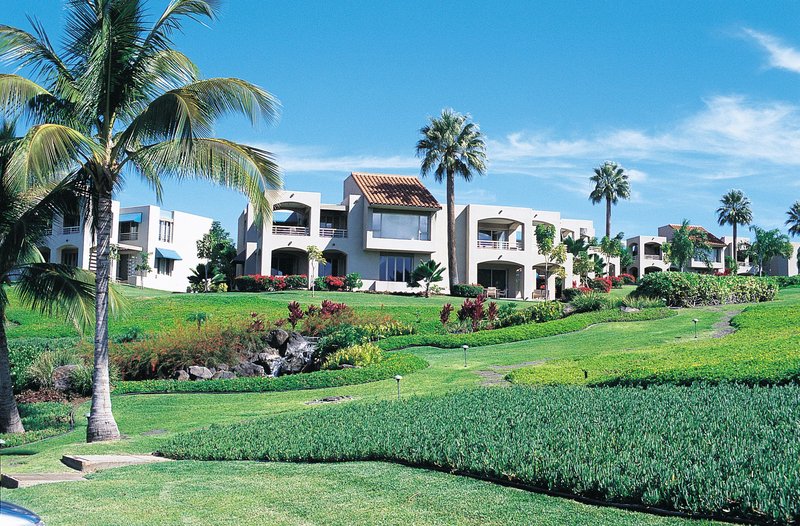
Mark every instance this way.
x=358 y=355
x=537 y=313
x=786 y=281
x=642 y=302
x=334 y=283
x=261 y=283
x=601 y=285
x=340 y=337
x=246 y=284
x=394 y=364
x=40 y=371
x=590 y=302
x=571 y=294
x=23 y=351
x=133 y=334
x=467 y=291
x=352 y=281
x=726 y=451
x=628 y=279
x=684 y=289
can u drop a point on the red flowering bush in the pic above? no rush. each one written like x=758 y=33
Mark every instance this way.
x=601 y=285
x=616 y=281
x=334 y=283
x=472 y=310
x=628 y=279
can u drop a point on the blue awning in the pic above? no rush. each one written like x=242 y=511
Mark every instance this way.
x=132 y=218
x=165 y=253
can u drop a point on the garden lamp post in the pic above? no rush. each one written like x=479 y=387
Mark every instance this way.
x=465 y=347
x=398 y=378
x=695 y=326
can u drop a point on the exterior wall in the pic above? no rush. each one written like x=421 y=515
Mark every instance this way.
x=780 y=266
x=646 y=263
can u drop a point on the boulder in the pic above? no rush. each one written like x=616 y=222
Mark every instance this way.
x=264 y=358
x=62 y=377
x=628 y=309
x=223 y=367
x=248 y=369
x=277 y=337
x=197 y=372
x=181 y=376
x=224 y=375
x=295 y=344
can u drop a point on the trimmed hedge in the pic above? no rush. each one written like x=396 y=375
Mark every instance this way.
x=786 y=281
x=464 y=290
x=399 y=363
x=724 y=451
x=687 y=289
x=528 y=331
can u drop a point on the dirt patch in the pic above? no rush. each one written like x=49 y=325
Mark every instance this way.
x=723 y=327
x=330 y=400
x=495 y=376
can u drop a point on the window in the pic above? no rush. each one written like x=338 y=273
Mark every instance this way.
x=401 y=226
x=165 y=231
x=395 y=267
x=69 y=257
x=128 y=231
x=164 y=266
x=486 y=234
x=72 y=220
x=493 y=278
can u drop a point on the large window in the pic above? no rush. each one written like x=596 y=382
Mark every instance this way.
x=69 y=257
x=488 y=234
x=164 y=266
x=395 y=267
x=489 y=277
x=165 y=230
x=401 y=226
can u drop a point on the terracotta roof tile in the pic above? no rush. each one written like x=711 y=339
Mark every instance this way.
x=395 y=190
x=712 y=239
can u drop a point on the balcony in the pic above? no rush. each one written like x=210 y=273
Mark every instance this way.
x=501 y=245
x=280 y=230
x=129 y=236
x=333 y=232
x=388 y=244
x=71 y=230
x=655 y=257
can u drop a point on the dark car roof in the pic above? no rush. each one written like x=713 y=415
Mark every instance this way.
x=13 y=515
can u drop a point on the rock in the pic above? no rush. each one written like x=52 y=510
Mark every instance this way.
x=223 y=367
x=224 y=375
x=62 y=377
x=297 y=355
x=628 y=309
x=248 y=369
x=277 y=337
x=181 y=376
x=197 y=372
x=264 y=358
x=347 y=366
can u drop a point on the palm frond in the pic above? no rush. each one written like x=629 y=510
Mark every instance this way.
x=16 y=93
x=58 y=289
x=26 y=50
x=48 y=151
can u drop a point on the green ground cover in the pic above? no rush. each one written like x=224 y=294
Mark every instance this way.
x=41 y=420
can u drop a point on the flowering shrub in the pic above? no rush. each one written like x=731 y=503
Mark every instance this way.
x=295 y=313
x=628 y=279
x=601 y=285
x=334 y=283
x=444 y=314
x=262 y=283
x=616 y=281
x=472 y=310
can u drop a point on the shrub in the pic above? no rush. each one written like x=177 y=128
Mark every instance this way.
x=246 y=284
x=590 y=302
x=683 y=289
x=545 y=311
x=40 y=371
x=467 y=291
x=340 y=337
x=600 y=285
x=472 y=310
x=23 y=351
x=261 y=283
x=616 y=281
x=394 y=364
x=352 y=281
x=334 y=283
x=133 y=334
x=81 y=379
x=628 y=279
x=785 y=281
x=648 y=447
x=358 y=355
x=41 y=420
x=295 y=313
x=320 y=284
x=444 y=314
x=571 y=294
x=642 y=302
x=297 y=282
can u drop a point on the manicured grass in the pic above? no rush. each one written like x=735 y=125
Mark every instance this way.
x=763 y=350
x=277 y=494
x=41 y=420
x=723 y=451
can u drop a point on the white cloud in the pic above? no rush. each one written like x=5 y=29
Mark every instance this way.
x=781 y=56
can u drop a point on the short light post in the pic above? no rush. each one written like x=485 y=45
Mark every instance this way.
x=398 y=378
x=695 y=326
x=465 y=347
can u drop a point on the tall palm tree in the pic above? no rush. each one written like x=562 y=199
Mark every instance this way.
x=119 y=100
x=610 y=184
x=452 y=145
x=794 y=219
x=26 y=212
x=734 y=210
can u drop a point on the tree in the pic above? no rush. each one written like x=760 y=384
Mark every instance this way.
x=611 y=247
x=120 y=100
x=625 y=259
x=26 y=213
x=734 y=210
x=143 y=267
x=426 y=273
x=203 y=279
x=545 y=242
x=217 y=247
x=794 y=219
x=452 y=145
x=768 y=244
x=315 y=259
x=610 y=184
x=687 y=242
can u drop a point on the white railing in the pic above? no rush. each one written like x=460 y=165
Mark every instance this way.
x=71 y=230
x=291 y=230
x=501 y=245
x=652 y=256
x=332 y=232
x=128 y=236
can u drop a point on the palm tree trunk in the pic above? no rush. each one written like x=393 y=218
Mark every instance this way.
x=735 y=249
x=101 y=421
x=608 y=218
x=451 y=229
x=10 y=421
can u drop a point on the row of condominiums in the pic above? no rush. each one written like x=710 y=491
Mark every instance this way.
x=383 y=227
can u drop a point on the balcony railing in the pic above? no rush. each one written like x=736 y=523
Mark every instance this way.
x=332 y=232
x=128 y=236
x=501 y=245
x=71 y=230
x=291 y=230
x=653 y=256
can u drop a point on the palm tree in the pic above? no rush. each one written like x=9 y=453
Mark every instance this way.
x=450 y=146
x=426 y=274
x=768 y=244
x=794 y=219
x=610 y=184
x=734 y=210
x=26 y=212
x=120 y=101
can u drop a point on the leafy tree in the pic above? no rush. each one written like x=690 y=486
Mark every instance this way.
x=611 y=247
x=545 y=241
x=315 y=259
x=120 y=100
x=794 y=219
x=687 y=242
x=452 y=145
x=217 y=247
x=610 y=185
x=598 y=264
x=625 y=259
x=143 y=267
x=26 y=213
x=768 y=244
x=426 y=274
x=734 y=210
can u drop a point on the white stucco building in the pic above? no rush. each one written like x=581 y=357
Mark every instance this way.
x=386 y=224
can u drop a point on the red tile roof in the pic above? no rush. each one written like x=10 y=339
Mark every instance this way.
x=712 y=239
x=395 y=190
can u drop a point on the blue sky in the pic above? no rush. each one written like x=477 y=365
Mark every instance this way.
x=692 y=98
